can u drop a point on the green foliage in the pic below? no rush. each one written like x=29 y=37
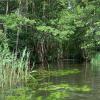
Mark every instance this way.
x=3 y=38
x=96 y=60
x=13 y=21
x=68 y=26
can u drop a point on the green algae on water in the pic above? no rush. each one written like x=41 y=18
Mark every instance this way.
x=67 y=87
x=41 y=74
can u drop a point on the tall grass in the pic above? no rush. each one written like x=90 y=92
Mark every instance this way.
x=12 y=69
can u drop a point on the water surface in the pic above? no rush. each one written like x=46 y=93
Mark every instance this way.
x=84 y=85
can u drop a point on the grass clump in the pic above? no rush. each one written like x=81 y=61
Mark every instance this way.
x=12 y=69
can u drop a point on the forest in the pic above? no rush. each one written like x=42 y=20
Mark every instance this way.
x=37 y=33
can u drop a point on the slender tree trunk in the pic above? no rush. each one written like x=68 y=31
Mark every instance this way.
x=17 y=40
x=44 y=8
x=33 y=8
x=42 y=40
x=42 y=51
x=23 y=7
x=7 y=7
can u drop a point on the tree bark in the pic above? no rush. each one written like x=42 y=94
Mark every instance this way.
x=7 y=7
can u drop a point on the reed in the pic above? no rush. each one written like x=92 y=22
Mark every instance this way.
x=13 y=69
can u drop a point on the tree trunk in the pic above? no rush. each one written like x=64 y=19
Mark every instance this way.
x=23 y=7
x=7 y=7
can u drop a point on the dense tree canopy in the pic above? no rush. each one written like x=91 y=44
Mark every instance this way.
x=52 y=29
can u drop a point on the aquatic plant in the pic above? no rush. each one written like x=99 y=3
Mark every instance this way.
x=60 y=95
x=40 y=74
x=18 y=94
x=59 y=91
x=53 y=92
x=67 y=87
x=12 y=69
x=96 y=60
x=63 y=91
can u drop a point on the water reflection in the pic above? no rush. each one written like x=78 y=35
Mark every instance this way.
x=66 y=87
